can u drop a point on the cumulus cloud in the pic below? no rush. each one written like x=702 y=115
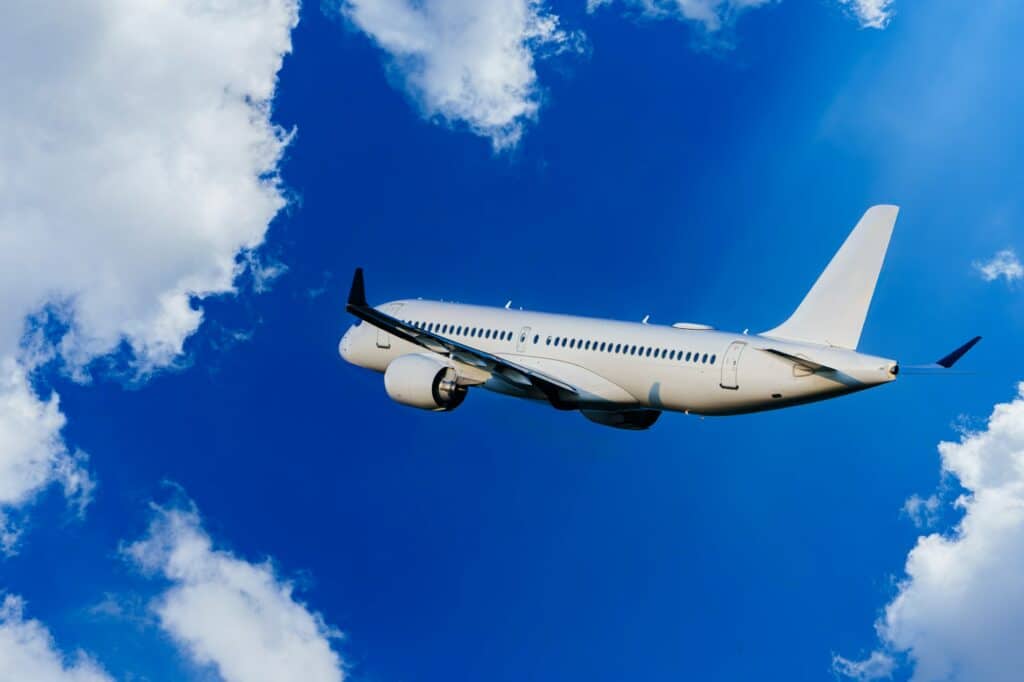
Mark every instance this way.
x=871 y=13
x=29 y=654
x=1004 y=264
x=139 y=158
x=466 y=62
x=959 y=612
x=32 y=454
x=237 y=616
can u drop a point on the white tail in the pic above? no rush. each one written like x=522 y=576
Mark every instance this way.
x=833 y=311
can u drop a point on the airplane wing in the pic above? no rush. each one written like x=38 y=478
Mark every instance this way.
x=553 y=389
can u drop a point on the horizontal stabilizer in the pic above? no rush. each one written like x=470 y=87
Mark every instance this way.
x=797 y=360
x=943 y=364
x=950 y=360
x=833 y=311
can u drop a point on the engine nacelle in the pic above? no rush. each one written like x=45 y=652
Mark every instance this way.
x=423 y=381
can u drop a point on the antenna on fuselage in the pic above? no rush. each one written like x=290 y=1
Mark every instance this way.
x=644 y=321
x=509 y=304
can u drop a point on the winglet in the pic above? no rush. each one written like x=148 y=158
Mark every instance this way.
x=357 y=294
x=949 y=360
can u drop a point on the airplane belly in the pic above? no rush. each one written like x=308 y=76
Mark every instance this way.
x=593 y=388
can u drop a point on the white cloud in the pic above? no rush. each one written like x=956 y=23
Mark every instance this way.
x=226 y=612
x=871 y=13
x=714 y=14
x=1004 y=264
x=28 y=652
x=711 y=14
x=877 y=666
x=923 y=511
x=960 y=610
x=32 y=454
x=465 y=61
x=138 y=159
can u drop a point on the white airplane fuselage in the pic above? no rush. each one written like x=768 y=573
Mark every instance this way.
x=625 y=365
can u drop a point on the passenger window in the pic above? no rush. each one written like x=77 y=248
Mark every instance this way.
x=705 y=358
x=572 y=343
x=688 y=356
x=564 y=341
x=536 y=338
x=548 y=341
x=712 y=359
x=672 y=355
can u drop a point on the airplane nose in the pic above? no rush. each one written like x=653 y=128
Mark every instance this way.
x=345 y=345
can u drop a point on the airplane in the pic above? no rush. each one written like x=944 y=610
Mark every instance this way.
x=625 y=374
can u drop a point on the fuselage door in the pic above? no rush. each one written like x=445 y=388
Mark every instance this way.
x=383 y=338
x=730 y=365
x=524 y=334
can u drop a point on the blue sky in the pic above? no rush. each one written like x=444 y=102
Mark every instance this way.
x=667 y=170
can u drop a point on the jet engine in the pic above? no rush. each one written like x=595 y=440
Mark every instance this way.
x=424 y=381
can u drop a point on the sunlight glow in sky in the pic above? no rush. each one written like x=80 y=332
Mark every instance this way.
x=194 y=486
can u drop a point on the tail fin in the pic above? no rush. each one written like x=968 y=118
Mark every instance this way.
x=833 y=311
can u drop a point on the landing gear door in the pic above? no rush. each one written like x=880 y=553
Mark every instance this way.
x=383 y=338
x=524 y=334
x=730 y=365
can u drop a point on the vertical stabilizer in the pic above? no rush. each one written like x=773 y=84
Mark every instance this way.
x=833 y=311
